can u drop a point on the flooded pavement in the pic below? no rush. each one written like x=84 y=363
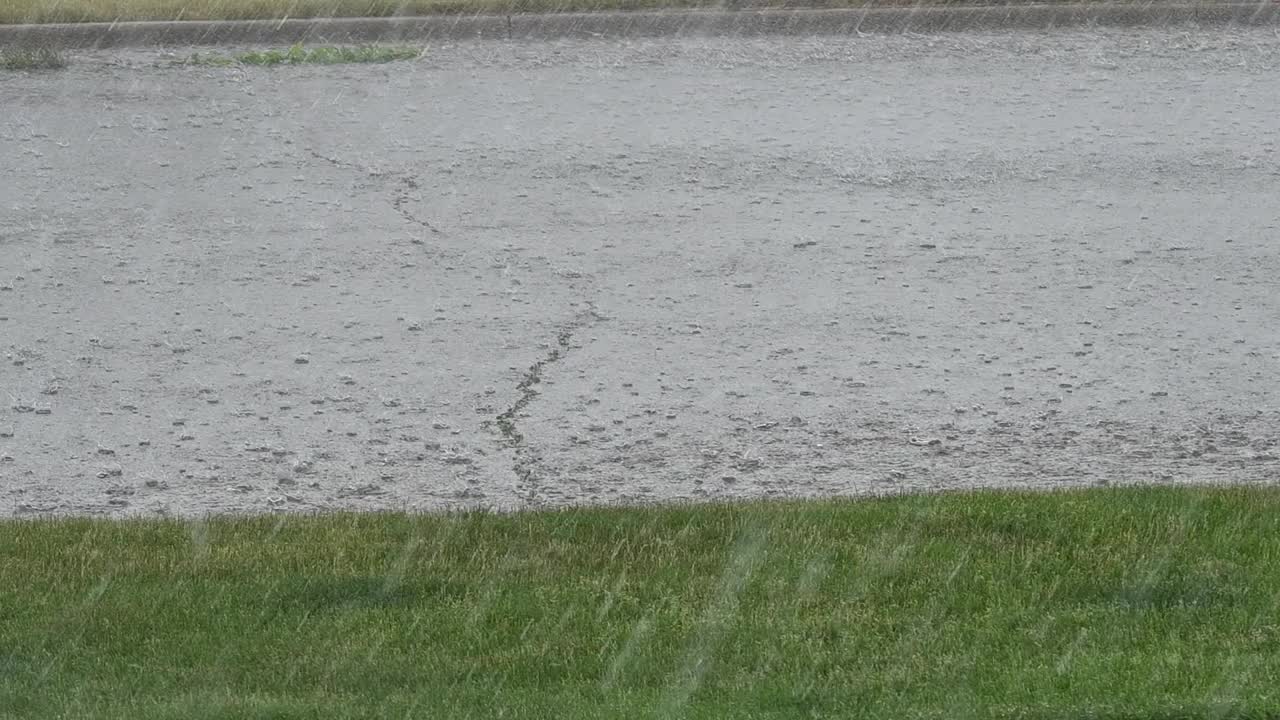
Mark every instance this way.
x=531 y=274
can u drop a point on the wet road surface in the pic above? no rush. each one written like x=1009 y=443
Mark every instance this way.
x=530 y=274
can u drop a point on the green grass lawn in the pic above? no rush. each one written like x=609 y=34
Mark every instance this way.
x=38 y=11
x=1108 y=603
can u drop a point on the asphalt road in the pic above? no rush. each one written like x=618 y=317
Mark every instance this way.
x=530 y=274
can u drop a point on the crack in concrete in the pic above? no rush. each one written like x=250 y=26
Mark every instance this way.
x=333 y=160
x=527 y=463
x=402 y=197
x=533 y=376
x=407 y=184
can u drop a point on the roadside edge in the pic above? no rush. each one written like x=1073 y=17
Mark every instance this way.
x=740 y=23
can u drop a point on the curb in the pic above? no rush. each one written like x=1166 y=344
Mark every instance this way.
x=741 y=23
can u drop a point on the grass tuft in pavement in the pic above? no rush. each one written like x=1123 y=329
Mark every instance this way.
x=1106 y=603
x=31 y=59
x=300 y=55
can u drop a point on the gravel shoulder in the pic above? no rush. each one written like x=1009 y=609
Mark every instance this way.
x=528 y=274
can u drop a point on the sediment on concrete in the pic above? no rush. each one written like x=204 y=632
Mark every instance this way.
x=635 y=24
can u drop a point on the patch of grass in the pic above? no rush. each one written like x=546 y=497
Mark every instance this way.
x=300 y=55
x=45 y=11
x=31 y=59
x=211 y=59
x=1106 y=603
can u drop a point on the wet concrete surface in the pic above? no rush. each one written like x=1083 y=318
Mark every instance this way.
x=634 y=24
x=530 y=274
